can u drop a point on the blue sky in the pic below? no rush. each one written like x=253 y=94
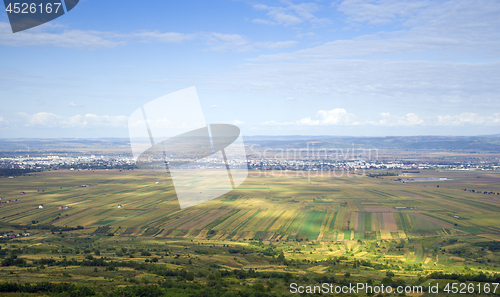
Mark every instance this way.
x=361 y=68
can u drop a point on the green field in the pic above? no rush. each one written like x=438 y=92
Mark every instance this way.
x=150 y=200
x=312 y=222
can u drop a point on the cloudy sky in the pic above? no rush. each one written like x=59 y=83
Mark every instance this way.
x=354 y=67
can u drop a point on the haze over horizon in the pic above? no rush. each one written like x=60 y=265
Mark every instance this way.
x=291 y=136
x=340 y=68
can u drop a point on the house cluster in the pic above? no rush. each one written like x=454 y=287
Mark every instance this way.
x=65 y=162
x=15 y=235
x=405 y=207
x=421 y=179
x=8 y=201
x=59 y=207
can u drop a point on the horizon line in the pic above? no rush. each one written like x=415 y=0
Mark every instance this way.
x=291 y=135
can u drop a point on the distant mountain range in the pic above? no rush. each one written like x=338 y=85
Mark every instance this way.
x=480 y=143
x=122 y=145
x=33 y=145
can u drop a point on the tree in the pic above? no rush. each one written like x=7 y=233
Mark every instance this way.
x=387 y=281
x=259 y=287
x=281 y=257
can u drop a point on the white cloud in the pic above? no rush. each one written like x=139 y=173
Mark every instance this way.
x=61 y=37
x=272 y=123
x=225 y=42
x=167 y=37
x=230 y=38
x=50 y=120
x=394 y=43
x=307 y=34
x=449 y=29
x=285 y=19
x=337 y=116
x=290 y=14
x=469 y=118
x=423 y=83
x=165 y=122
x=67 y=38
x=263 y=22
x=340 y=117
x=304 y=10
x=388 y=120
x=237 y=122
x=380 y=11
x=275 y=45
x=334 y=117
x=73 y=104
x=444 y=57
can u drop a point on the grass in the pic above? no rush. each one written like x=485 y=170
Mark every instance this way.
x=312 y=224
x=332 y=224
x=368 y=222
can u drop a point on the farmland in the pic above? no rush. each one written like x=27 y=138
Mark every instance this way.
x=275 y=207
x=273 y=222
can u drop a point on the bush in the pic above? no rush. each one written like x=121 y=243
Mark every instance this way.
x=54 y=289
x=259 y=287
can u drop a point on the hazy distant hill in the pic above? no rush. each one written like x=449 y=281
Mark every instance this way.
x=94 y=145
x=122 y=145
x=480 y=143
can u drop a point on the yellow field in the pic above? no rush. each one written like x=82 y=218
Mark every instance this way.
x=275 y=207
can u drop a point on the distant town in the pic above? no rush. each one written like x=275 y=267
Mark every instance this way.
x=22 y=164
